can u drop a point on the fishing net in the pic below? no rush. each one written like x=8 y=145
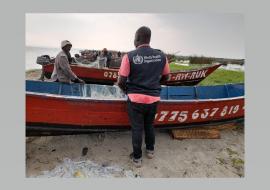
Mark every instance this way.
x=99 y=63
x=103 y=92
x=85 y=169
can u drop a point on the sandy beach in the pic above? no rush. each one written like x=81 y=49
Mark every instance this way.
x=106 y=155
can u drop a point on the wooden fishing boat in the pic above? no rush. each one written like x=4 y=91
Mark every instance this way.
x=52 y=106
x=109 y=76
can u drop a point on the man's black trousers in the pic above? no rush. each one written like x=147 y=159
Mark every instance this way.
x=142 y=116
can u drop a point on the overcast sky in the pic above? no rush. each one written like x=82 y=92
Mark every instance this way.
x=217 y=35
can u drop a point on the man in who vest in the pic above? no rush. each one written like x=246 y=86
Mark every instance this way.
x=140 y=75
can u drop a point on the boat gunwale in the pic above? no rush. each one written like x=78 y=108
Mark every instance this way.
x=68 y=97
x=173 y=72
x=85 y=66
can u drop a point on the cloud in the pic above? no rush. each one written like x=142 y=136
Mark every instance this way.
x=191 y=33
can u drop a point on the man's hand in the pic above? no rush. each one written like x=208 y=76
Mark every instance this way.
x=81 y=81
x=78 y=80
x=171 y=58
x=164 y=78
x=121 y=82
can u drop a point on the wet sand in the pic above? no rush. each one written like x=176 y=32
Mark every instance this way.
x=201 y=158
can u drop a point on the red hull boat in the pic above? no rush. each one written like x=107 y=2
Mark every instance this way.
x=109 y=76
x=63 y=107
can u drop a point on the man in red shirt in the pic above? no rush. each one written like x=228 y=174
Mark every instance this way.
x=140 y=75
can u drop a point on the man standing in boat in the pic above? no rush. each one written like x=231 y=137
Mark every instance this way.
x=62 y=71
x=140 y=75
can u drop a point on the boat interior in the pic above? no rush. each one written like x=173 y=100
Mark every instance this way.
x=104 y=92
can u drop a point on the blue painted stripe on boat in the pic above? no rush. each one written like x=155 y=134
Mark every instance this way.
x=167 y=92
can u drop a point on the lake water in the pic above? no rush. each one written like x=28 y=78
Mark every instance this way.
x=231 y=67
x=31 y=54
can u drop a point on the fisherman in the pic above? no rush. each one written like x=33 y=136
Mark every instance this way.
x=119 y=54
x=62 y=71
x=103 y=58
x=140 y=74
x=109 y=59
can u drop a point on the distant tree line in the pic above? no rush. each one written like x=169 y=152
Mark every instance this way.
x=200 y=60
x=205 y=60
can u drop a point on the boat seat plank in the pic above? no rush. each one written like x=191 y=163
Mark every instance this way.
x=173 y=93
x=35 y=86
x=211 y=92
x=74 y=89
x=235 y=90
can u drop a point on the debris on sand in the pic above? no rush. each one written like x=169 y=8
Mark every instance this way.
x=85 y=169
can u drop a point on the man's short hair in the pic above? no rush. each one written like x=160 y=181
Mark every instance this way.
x=144 y=33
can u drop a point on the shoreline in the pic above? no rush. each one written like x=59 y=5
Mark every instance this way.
x=45 y=156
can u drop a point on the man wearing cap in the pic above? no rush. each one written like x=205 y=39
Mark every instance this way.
x=62 y=71
x=140 y=74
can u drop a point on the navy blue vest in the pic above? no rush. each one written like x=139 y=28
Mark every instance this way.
x=146 y=67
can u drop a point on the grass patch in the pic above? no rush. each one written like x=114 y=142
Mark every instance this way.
x=219 y=76
x=222 y=161
x=222 y=76
x=237 y=163
x=231 y=152
x=174 y=67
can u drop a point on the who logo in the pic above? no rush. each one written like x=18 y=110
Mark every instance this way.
x=137 y=59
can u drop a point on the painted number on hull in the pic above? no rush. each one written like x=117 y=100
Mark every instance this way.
x=172 y=116
x=182 y=116
x=109 y=74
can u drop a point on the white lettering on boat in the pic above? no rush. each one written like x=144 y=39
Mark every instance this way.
x=204 y=114
x=204 y=73
x=163 y=115
x=183 y=116
x=174 y=114
x=110 y=74
x=189 y=75
x=193 y=75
